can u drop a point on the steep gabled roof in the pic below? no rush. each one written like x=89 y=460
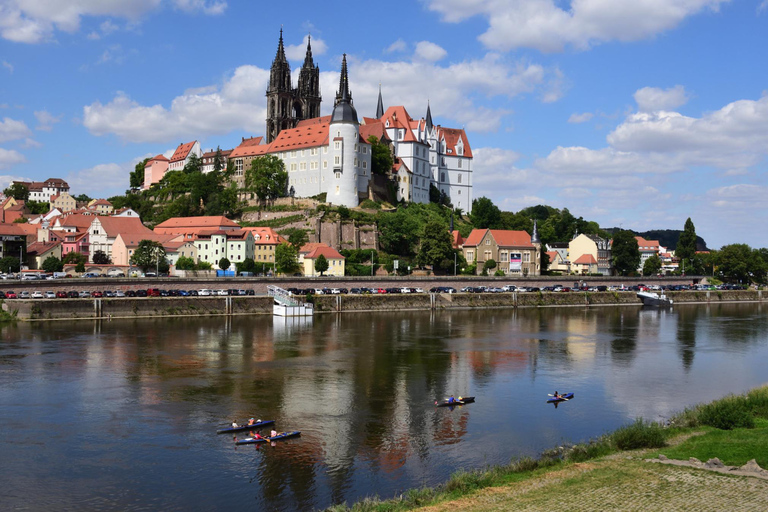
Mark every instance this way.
x=452 y=136
x=208 y=221
x=502 y=237
x=249 y=147
x=182 y=151
x=132 y=240
x=114 y=226
x=585 y=259
x=307 y=136
x=325 y=250
x=458 y=240
x=157 y=158
x=40 y=248
x=75 y=220
x=265 y=236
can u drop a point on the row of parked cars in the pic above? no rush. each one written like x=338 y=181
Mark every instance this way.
x=151 y=292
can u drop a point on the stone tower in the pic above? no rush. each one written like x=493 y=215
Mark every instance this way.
x=286 y=105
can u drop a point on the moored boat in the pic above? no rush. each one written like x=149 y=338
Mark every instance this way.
x=278 y=437
x=464 y=400
x=561 y=398
x=655 y=300
x=240 y=428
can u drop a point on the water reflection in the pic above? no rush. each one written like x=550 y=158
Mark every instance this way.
x=360 y=387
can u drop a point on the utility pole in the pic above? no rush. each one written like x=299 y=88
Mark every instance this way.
x=372 y=253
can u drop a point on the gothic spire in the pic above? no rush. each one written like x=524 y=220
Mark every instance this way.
x=308 y=62
x=280 y=57
x=344 y=93
x=429 y=118
x=380 y=105
x=344 y=110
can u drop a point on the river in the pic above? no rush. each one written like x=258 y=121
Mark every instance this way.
x=122 y=414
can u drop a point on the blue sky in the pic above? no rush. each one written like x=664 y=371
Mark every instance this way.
x=632 y=113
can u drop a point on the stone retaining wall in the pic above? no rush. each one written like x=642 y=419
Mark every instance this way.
x=53 y=309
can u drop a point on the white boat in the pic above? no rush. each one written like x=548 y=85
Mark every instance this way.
x=654 y=299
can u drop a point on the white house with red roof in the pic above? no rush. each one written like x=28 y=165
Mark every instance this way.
x=647 y=249
x=309 y=253
x=235 y=245
x=154 y=170
x=182 y=155
x=104 y=230
x=191 y=227
x=516 y=253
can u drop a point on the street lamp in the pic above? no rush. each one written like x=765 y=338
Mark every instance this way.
x=372 y=253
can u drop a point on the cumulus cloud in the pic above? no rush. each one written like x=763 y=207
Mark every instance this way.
x=236 y=104
x=580 y=118
x=7 y=65
x=10 y=157
x=11 y=129
x=46 y=120
x=35 y=21
x=651 y=99
x=298 y=51
x=551 y=25
x=428 y=51
x=763 y=7
x=400 y=46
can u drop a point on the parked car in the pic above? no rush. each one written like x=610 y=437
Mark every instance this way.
x=37 y=295
x=85 y=294
x=221 y=292
x=250 y=291
x=153 y=292
x=25 y=295
x=50 y=295
x=119 y=293
x=10 y=295
x=72 y=294
x=97 y=294
x=205 y=292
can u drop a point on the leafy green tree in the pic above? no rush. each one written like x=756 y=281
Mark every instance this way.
x=194 y=165
x=399 y=232
x=489 y=265
x=321 y=264
x=10 y=264
x=203 y=265
x=73 y=258
x=297 y=237
x=485 y=214
x=218 y=160
x=686 y=244
x=21 y=220
x=436 y=246
x=101 y=258
x=148 y=255
x=381 y=156
x=652 y=265
x=136 y=177
x=38 y=207
x=267 y=178
x=80 y=267
x=224 y=263
x=85 y=198
x=625 y=252
x=738 y=263
x=52 y=264
x=185 y=263
x=17 y=191
x=286 y=258
x=247 y=265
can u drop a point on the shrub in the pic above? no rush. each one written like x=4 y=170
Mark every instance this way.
x=586 y=451
x=370 y=205
x=639 y=435
x=729 y=413
x=758 y=401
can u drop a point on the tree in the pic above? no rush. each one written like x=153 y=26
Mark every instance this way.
x=10 y=264
x=203 y=265
x=738 y=263
x=38 y=207
x=297 y=237
x=185 y=263
x=485 y=214
x=686 y=244
x=17 y=191
x=652 y=265
x=488 y=265
x=381 y=156
x=101 y=258
x=321 y=264
x=80 y=267
x=399 y=232
x=136 y=178
x=73 y=258
x=224 y=263
x=625 y=252
x=436 y=245
x=53 y=264
x=267 y=178
x=84 y=198
x=286 y=258
x=218 y=160
x=247 y=265
x=148 y=255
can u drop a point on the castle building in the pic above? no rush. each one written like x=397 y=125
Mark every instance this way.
x=286 y=105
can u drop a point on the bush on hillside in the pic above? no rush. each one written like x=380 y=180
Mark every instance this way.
x=639 y=435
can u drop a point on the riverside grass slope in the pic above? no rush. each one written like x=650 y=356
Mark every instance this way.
x=611 y=472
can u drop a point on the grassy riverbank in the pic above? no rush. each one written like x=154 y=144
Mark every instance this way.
x=610 y=473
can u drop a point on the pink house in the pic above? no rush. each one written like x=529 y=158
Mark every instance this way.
x=154 y=170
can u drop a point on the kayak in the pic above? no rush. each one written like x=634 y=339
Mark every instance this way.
x=255 y=426
x=464 y=400
x=278 y=437
x=563 y=398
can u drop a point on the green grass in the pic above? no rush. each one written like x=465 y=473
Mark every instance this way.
x=734 y=447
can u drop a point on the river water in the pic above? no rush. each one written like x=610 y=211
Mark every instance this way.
x=122 y=414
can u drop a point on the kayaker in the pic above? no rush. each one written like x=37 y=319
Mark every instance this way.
x=256 y=435
x=459 y=398
x=251 y=421
x=557 y=395
x=273 y=433
x=234 y=424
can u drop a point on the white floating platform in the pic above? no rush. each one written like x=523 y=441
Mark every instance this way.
x=300 y=310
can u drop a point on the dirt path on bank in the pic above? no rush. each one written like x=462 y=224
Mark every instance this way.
x=621 y=484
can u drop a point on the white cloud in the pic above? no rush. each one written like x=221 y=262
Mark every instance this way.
x=114 y=54
x=400 y=46
x=46 y=120
x=763 y=7
x=210 y=7
x=31 y=143
x=237 y=105
x=10 y=157
x=651 y=99
x=545 y=25
x=430 y=52
x=580 y=118
x=35 y=21
x=10 y=129
x=7 y=65
x=299 y=51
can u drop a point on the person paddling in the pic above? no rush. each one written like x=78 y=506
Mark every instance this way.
x=451 y=400
x=234 y=424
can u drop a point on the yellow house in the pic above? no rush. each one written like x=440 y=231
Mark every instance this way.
x=38 y=252
x=598 y=248
x=102 y=206
x=335 y=260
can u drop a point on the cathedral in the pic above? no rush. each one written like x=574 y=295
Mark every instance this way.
x=286 y=105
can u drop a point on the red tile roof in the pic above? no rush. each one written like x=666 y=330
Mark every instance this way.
x=265 y=236
x=182 y=151
x=307 y=136
x=209 y=221
x=40 y=248
x=314 y=120
x=458 y=241
x=114 y=226
x=249 y=147
x=502 y=237
x=78 y=221
x=585 y=259
x=157 y=158
x=325 y=250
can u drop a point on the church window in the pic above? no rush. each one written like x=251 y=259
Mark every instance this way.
x=442 y=176
x=459 y=178
x=443 y=161
x=459 y=163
